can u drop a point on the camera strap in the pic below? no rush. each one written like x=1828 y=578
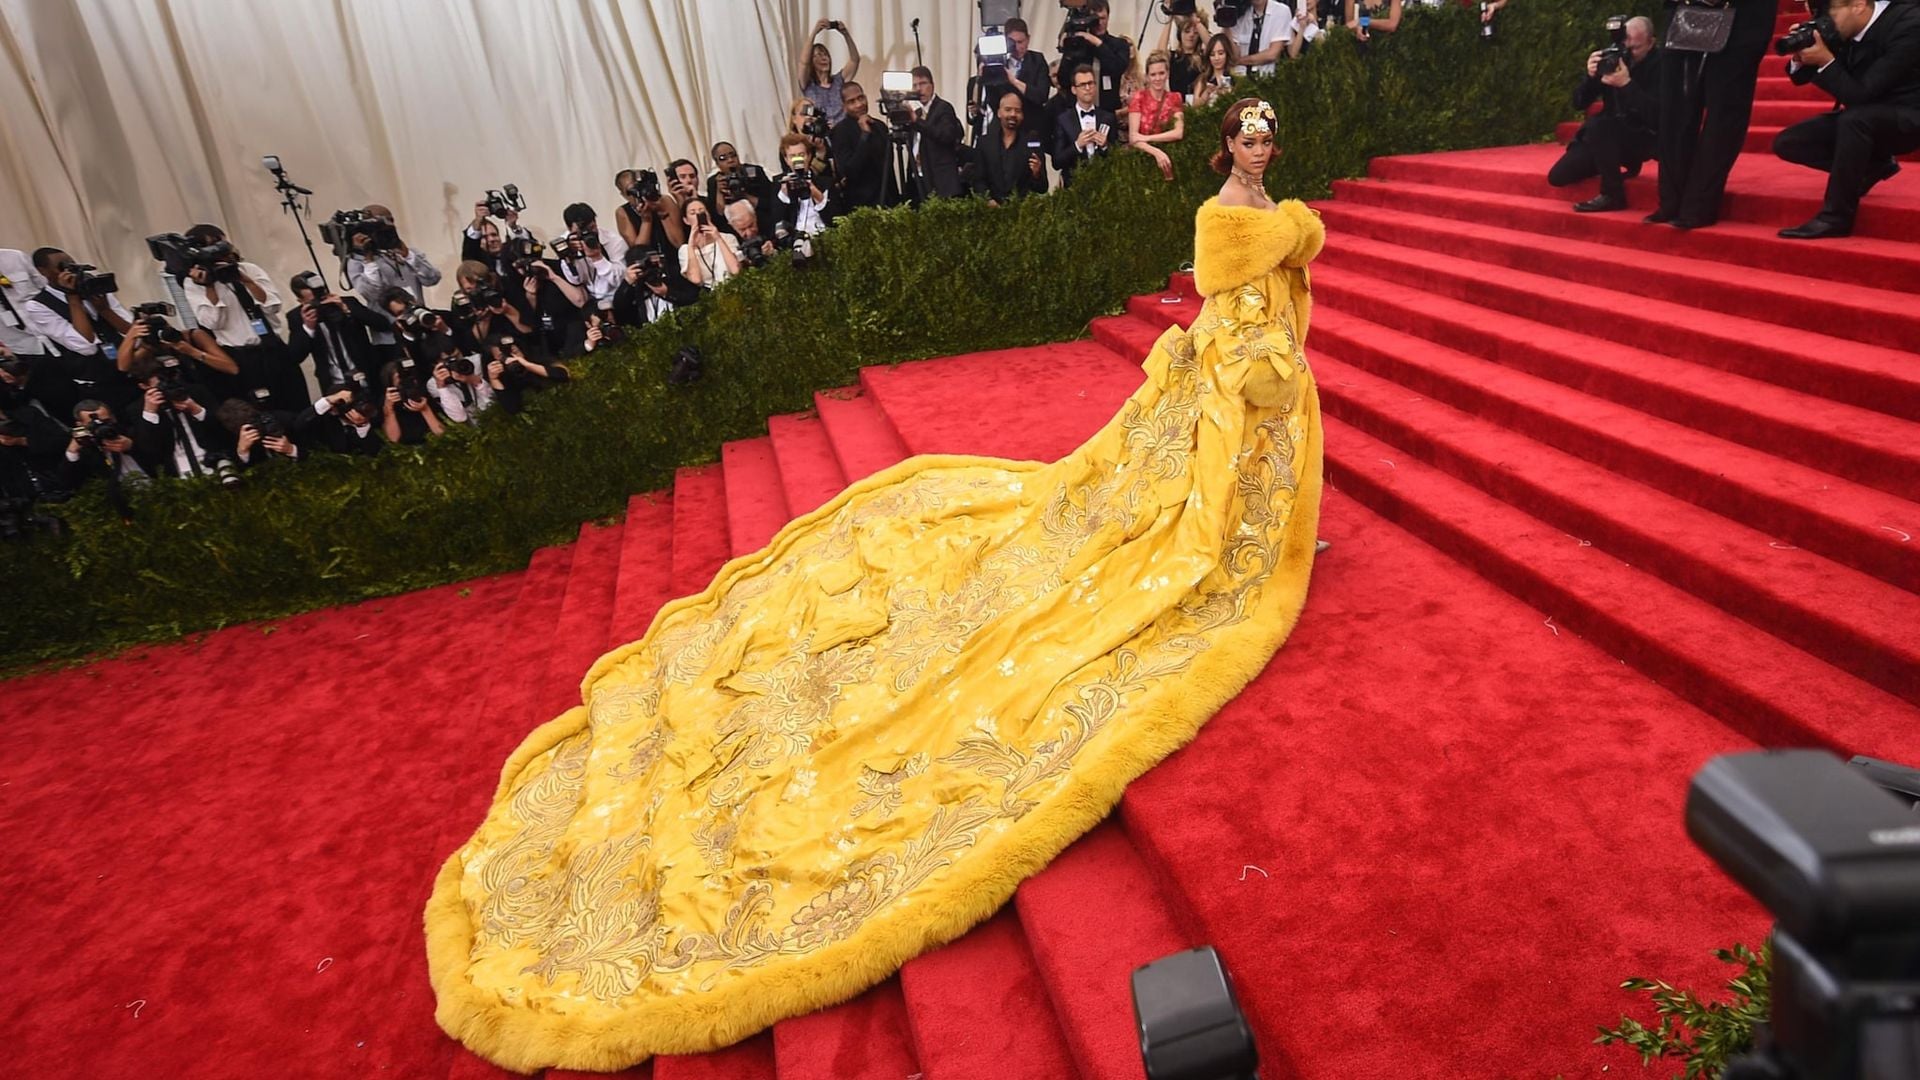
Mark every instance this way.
x=1253 y=43
x=257 y=317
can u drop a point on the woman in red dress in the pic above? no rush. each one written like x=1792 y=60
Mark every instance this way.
x=1154 y=114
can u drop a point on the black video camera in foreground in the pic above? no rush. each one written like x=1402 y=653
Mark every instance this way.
x=1836 y=859
x=180 y=256
x=340 y=229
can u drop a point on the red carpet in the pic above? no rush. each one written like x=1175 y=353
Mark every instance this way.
x=1592 y=524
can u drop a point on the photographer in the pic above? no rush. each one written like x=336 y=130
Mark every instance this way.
x=235 y=301
x=1187 y=56
x=152 y=338
x=380 y=260
x=98 y=446
x=408 y=405
x=31 y=466
x=1873 y=72
x=819 y=83
x=1108 y=56
x=733 y=180
x=1613 y=143
x=709 y=256
x=1009 y=162
x=334 y=331
x=344 y=422
x=648 y=217
x=936 y=134
x=19 y=282
x=755 y=248
x=82 y=322
x=175 y=432
x=1025 y=72
x=861 y=155
x=260 y=434
x=803 y=207
x=483 y=308
x=583 y=262
x=484 y=240
x=583 y=220
x=513 y=376
x=1265 y=31
x=556 y=309
x=459 y=390
x=1084 y=129
x=647 y=291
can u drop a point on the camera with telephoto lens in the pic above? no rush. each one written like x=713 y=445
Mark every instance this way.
x=505 y=201
x=457 y=362
x=1802 y=36
x=411 y=385
x=1614 y=55
x=339 y=231
x=91 y=286
x=645 y=186
x=172 y=383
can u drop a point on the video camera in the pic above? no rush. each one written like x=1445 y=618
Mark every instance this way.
x=1803 y=34
x=339 y=230
x=1614 y=55
x=91 y=286
x=1073 y=50
x=180 y=257
x=504 y=201
x=896 y=90
x=1836 y=859
x=1226 y=14
x=645 y=186
x=994 y=54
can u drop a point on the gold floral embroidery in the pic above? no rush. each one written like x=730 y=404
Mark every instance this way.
x=882 y=789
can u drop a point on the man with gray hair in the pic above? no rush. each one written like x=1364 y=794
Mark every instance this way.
x=754 y=248
x=1614 y=142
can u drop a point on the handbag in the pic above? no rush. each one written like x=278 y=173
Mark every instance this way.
x=1700 y=26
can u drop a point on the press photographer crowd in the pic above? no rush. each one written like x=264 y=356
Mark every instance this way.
x=242 y=370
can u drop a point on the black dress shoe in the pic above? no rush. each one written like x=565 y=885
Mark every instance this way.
x=1658 y=217
x=1600 y=204
x=1689 y=224
x=1887 y=170
x=1820 y=228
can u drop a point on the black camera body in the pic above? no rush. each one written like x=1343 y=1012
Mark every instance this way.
x=504 y=201
x=180 y=257
x=1803 y=35
x=412 y=386
x=645 y=186
x=159 y=330
x=267 y=424
x=340 y=229
x=1073 y=49
x=1226 y=14
x=816 y=125
x=91 y=286
x=652 y=264
x=486 y=298
x=98 y=430
x=799 y=182
x=1615 y=54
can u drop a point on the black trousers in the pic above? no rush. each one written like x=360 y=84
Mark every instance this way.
x=1705 y=103
x=1606 y=147
x=1850 y=146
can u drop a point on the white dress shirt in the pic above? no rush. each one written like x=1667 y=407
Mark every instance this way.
x=1276 y=24
x=454 y=404
x=22 y=282
x=712 y=264
x=53 y=325
x=601 y=277
x=225 y=316
x=182 y=466
x=808 y=222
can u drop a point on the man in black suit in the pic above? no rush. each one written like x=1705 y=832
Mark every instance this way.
x=1874 y=74
x=333 y=331
x=1706 y=101
x=1615 y=142
x=1111 y=54
x=862 y=154
x=175 y=432
x=1025 y=72
x=1084 y=129
x=733 y=180
x=936 y=134
x=1008 y=160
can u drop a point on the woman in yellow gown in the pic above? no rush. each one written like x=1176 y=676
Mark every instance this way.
x=856 y=742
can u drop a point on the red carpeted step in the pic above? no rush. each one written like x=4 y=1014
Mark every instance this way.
x=1485 y=842
x=1181 y=281
x=1881 y=264
x=867 y=1038
x=1859 y=312
x=642 y=1071
x=1127 y=335
x=748 y=1060
x=1782 y=495
x=1762 y=189
x=1172 y=308
x=646 y=567
x=1855 y=622
x=1869 y=376
x=701 y=545
x=1758 y=685
x=1781 y=88
x=1086 y=951
x=756 y=503
x=1778 y=113
x=978 y=1009
x=809 y=473
x=1042 y=400
x=863 y=440
x=586 y=612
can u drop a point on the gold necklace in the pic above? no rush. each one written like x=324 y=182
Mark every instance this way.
x=1251 y=181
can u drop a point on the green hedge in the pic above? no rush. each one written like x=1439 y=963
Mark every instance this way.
x=887 y=286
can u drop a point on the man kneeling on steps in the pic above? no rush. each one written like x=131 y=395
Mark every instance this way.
x=1614 y=142
x=1868 y=58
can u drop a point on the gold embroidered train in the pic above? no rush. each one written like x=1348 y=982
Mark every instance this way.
x=855 y=743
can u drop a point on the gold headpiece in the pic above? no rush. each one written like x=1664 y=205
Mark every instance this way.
x=1258 y=118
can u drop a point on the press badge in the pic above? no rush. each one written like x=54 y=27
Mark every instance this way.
x=260 y=327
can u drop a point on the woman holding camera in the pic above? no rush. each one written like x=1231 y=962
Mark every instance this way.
x=819 y=83
x=1188 y=57
x=512 y=375
x=802 y=115
x=1216 y=77
x=709 y=256
x=649 y=215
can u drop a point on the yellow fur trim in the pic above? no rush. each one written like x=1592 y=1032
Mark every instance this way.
x=1234 y=245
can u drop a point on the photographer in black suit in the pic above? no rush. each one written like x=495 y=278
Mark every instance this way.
x=936 y=137
x=1873 y=72
x=649 y=289
x=1706 y=100
x=345 y=421
x=1083 y=130
x=1615 y=142
x=1110 y=54
x=861 y=155
x=1008 y=160
x=175 y=432
x=333 y=331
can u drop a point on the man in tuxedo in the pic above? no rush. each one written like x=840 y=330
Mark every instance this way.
x=334 y=331
x=936 y=137
x=1084 y=130
x=175 y=433
x=1613 y=143
x=1873 y=72
x=862 y=158
x=1705 y=103
x=346 y=421
x=1009 y=161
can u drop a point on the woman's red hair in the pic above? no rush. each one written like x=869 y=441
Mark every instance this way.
x=1230 y=127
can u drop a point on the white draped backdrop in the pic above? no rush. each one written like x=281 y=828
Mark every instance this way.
x=124 y=118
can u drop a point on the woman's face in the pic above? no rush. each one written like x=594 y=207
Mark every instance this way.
x=695 y=209
x=797 y=117
x=1217 y=56
x=1157 y=77
x=1252 y=151
x=1190 y=37
x=822 y=62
